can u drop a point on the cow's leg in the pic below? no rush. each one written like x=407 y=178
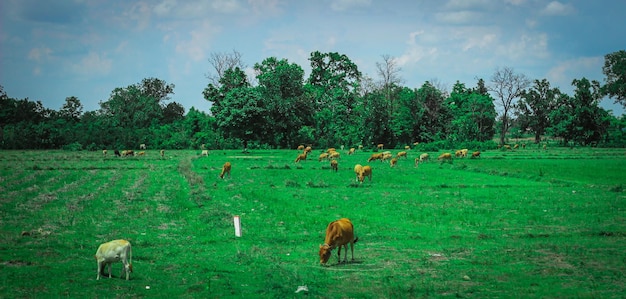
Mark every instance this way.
x=339 y=254
x=99 y=270
x=110 y=266
x=352 y=249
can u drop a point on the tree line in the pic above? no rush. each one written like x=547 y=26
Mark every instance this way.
x=336 y=105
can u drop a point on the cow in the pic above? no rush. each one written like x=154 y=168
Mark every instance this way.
x=114 y=251
x=162 y=153
x=301 y=157
x=445 y=156
x=365 y=172
x=225 y=170
x=380 y=146
x=205 y=153
x=300 y=147
x=338 y=233
x=104 y=152
x=476 y=154
x=378 y=156
x=401 y=154
x=357 y=170
x=142 y=146
x=334 y=165
x=117 y=153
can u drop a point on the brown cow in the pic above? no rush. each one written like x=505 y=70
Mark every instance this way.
x=445 y=156
x=378 y=156
x=476 y=154
x=116 y=250
x=301 y=157
x=357 y=170
x=225 y=170
x=338 y=233
x=334 y=165
x=365 y=172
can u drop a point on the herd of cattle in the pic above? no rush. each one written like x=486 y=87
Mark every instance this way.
x=339 y=233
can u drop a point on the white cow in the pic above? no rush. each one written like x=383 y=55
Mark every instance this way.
x=114 y=251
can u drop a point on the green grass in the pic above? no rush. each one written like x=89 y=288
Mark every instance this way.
x=542 y=223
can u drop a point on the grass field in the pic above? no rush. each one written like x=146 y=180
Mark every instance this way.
x=525 y=223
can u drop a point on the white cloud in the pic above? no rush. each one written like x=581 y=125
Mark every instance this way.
x=343 y=5
x=480 y=41
x=165 y=7
x=556 y=8
x=93 y=63
x=526 y=47
x=39 y=54
x=459 y=17
x=415 y=52
x=468 y=4
x=226 y=6
x=564 y=72
x=199 y=42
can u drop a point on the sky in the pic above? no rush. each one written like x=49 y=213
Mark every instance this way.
x=51 y=50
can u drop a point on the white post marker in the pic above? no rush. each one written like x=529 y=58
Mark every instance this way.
x=237 y=222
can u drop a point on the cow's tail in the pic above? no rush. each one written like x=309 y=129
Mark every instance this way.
x=355 y=239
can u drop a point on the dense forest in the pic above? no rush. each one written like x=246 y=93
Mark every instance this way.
x=336 y=105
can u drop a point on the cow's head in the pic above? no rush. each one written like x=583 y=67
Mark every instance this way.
x=324 y=253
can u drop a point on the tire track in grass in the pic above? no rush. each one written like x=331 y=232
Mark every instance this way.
x=196 y=182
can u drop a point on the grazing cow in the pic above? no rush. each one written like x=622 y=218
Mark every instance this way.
x=330 y=150
x=300 y=147
x=301 y=157
x=308 y=149
x=445 y=156
x=424 y=157
x=114 y=251
x=415 y=143
x=104 y=152
x=417 y=161
x=351 y=151
x=516 y=146
x=338 y=233
x=323 y=156
x=225 y=170
x=162 y=153
x=128 y=153
x=205 y=153
x=117 y=153
x=142 y=146
x=386 y=156
x=476 y=154
x=458 y=153
x=360 y=147
x=357 y=170
x=203 y=146
x=141 y=153
x=375 y=157
x=365 y=172
x=406 y=147
x=401 y=154
x=393 y=162
x=380 y=146
x=334 y=155
x=334 y=165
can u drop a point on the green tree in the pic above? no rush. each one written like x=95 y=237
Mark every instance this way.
x=436 y=117
x=243 y=114
x=408 y=116
x=535 y=105
x=579 y=118
x=334 y=82
x=473 y=114
x=281 y=85
x=134 y=109
x=615 y=70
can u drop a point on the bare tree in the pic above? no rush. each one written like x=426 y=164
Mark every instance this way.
x=222 y=61
x=507 y=86
x=388 y=70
